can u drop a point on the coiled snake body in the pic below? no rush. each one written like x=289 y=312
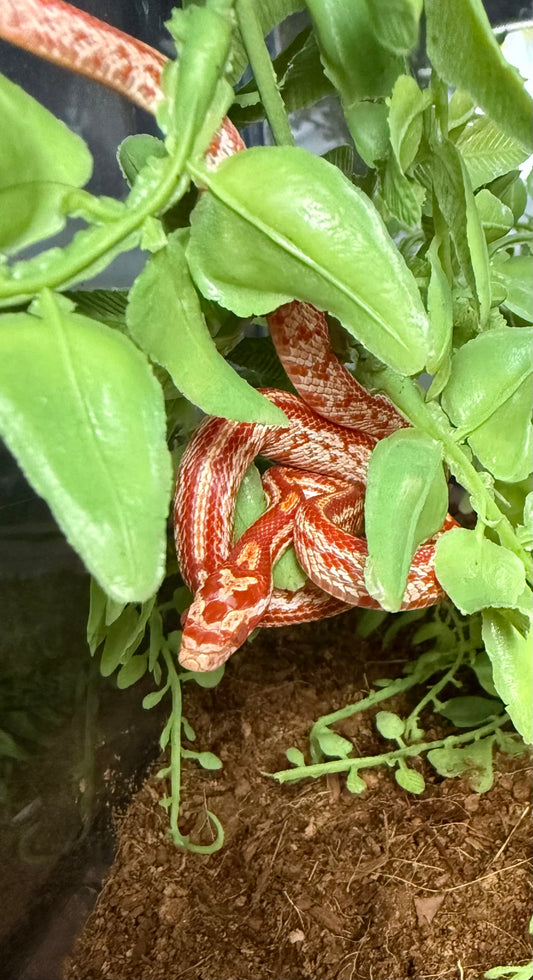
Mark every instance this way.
x=315 y=498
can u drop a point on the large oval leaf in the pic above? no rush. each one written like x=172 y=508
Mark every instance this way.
x=406 y=502
x=165 y=318
x=281 y=224
x=84 y=415
x=489 y=398
x=354 y=58
x=40 y=161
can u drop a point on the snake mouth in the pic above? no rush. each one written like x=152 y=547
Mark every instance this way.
x=204 y=649
x=203 y=659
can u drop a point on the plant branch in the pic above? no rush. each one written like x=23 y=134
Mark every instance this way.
x=386 y=758
x=423 y=668
x=411 y=720
x=264 y=74
x=176 y=752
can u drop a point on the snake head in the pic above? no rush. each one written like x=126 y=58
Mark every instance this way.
x=224 y=612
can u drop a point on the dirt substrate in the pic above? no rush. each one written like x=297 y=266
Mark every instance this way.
x=313 y=882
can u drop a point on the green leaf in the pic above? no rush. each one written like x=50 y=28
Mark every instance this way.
x=473 y=761
x=106 y=305
x=461 y=108
x=353 y=58
x=464 y=52
x=389 y=724
x=103 y=612
x=488 y=151
x=511 y=190
x=164 y=739
x=204 y=39
x=10 y=748
x=344 y=156
x=440 y=309
x=489 y=398
x=41 y=160
x=279 y=223
x=209 y=678
x=257 y=361
x=165 y=319
x=96 y=621
x=471 y=711
x=302 y=80
x=456 y=201
x=333 y=744
x=396 y=25
x=154 y=697
x=370 y=131
x=354 y=782
x=113 y=609
x=132 y=671
x=295 y=757
x=497 y=219
x=207 y=760
x=250 y=502
x=89 y=252
x=406 y=502
x=512 y=667
x=525 y=530
x=406 y=106
x=482 y=668
x=477 y=573
x=524 y=972
x=288 y=573
x=124 y=636
x=515 y=273
x=188 y=730
x=410 y=780
x=369 y=621
x=135 y=151
x=83 y=414
x=403 y=197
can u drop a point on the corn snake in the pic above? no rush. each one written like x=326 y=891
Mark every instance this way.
x=315 y=499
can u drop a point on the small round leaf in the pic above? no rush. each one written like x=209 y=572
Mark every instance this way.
x=389 y=725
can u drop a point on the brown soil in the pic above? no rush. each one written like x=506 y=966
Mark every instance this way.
x=313 y=882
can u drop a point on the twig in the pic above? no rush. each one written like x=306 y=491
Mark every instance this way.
x=508 y=838
x=454 y=888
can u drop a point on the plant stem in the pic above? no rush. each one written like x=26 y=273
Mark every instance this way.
x=387 y=758
x=182 y=840
x=259 y=58
x=91 y=244
x=433 y=692
x=423 y=668
x=503 y=243
x=175 y=750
